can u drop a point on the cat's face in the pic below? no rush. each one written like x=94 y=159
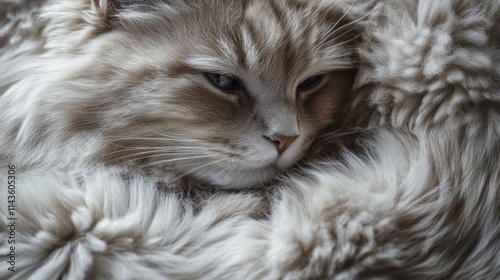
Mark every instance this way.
x=230 y=92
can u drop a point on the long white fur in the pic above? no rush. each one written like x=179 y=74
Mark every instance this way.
x=422 y=202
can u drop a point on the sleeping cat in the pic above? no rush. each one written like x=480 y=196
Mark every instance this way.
x=229 y=92
x=121 y=83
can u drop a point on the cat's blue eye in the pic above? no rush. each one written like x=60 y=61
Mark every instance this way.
x=309 y=82
x=223 y=82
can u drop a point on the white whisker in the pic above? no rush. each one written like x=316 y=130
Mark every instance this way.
x=195 y=169
x=227 y=170
x=348 y=41
x=159 y=139
x=333 y=30
x=173 y=160
x=344 y=15
x=177 y=150
x=153 y=154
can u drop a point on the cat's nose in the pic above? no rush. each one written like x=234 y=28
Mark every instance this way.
x=282 y=142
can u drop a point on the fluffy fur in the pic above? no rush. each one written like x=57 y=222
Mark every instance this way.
x=417 y=199
x=123 y=83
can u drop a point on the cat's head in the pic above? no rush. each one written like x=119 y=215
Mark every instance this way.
x=230 y=92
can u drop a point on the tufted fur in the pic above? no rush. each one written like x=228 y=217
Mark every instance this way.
x=418 y=198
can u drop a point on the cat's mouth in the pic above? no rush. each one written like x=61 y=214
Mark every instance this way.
x=252 y=173
x=246 y=175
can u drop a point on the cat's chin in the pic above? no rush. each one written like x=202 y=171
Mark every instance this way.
x=241 y=178
x=252 y=175
x=248 y=175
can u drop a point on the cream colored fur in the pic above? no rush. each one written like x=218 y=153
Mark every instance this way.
x=417 y=199
x=123 y=83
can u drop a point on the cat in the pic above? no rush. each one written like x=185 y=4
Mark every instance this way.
x=418 y=199
x=228 y=92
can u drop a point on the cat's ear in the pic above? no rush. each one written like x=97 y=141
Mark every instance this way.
x=103 y=12
x=92 y=15
x=125 y=13
x=98 y=14
x=70 y=24
x=115 y=11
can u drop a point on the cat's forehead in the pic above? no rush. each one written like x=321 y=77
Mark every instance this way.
x=271 y=37
x=278 y=36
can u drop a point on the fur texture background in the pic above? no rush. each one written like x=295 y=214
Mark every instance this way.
x=418 y=200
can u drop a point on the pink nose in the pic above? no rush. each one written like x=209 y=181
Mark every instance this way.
x=282 y=142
